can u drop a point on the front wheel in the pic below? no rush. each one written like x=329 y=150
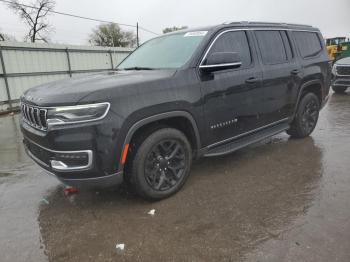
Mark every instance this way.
x=306 y=116
x=339 y=89
x=161 y=164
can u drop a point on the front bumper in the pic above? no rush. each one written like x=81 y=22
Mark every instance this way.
x=94 y=182
x=81 y=156
x=60 y=161
x=341 y=81
x=90 y=182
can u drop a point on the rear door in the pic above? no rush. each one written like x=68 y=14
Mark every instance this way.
x=232 y=98
x=281 y=74
x=314 y=59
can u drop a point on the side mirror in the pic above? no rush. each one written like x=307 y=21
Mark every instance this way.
x=221 y=61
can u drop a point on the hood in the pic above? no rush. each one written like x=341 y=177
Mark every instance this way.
x=343 y=61
x=72 y=90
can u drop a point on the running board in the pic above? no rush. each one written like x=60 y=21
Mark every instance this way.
x=246 y=140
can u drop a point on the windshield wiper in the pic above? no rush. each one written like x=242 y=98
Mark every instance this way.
x=138 y=68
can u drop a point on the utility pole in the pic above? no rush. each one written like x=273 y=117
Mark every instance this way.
x=137 y=34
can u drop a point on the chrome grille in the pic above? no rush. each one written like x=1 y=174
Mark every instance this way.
x=34 y=116
x=343 y=70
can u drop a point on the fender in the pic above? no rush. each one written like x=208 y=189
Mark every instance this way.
x=302 y=88
x=157 y=117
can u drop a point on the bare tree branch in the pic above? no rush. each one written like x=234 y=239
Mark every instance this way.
x=35 y=18
x=6 y=37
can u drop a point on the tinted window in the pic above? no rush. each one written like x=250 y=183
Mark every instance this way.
x=308 y=43
x=287 y=44
x=271 y=47
x=233 y=42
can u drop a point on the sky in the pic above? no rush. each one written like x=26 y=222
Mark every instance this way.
x=331 y=16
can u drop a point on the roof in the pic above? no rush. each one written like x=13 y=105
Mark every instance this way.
x=247 y=24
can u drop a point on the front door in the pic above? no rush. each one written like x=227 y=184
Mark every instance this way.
x=232 y=97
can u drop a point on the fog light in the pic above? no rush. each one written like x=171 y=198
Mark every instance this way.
x=74 y=160
x=58 y=165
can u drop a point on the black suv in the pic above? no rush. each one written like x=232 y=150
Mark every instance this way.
x=180 y=96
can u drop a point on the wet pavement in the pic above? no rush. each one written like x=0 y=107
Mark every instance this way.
x=279 y=200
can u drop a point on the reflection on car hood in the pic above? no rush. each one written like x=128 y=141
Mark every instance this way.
x=72 y=90
x=343 y=61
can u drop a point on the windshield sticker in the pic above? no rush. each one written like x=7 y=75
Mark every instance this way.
x=196 y=33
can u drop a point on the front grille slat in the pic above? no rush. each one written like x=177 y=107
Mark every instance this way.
x=27 y=112
x=343 y=70
x=23 y=110
x=31 y=115
x=37 y=116
x=43 y=117
x=34 y=116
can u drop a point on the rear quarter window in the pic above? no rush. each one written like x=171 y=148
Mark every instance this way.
x=308 y=43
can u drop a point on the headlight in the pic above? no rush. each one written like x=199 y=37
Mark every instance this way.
x=76 y=114
x=334 y=70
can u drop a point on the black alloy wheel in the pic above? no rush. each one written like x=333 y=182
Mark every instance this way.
x=306 y=117
x=161 y=163
x=310 y=116
x=165 y=165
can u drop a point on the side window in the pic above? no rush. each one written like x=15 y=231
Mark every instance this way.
x=235 y=41
x=287 y=45
x=308 y=43
x=271 y=47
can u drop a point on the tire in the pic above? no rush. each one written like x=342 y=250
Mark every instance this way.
x=306 y=116
x=161 y=164
x=339 y=89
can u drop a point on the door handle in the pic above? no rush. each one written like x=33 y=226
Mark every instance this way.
x=252 y=80
x=295 y=72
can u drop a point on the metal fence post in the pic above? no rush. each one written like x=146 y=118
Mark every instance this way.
x=69 y=65
x=111 y=57
x=5 y=78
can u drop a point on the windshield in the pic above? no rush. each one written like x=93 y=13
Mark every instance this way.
x=171 y=51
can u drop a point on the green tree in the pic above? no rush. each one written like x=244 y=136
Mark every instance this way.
x=112 y=35
x=174 y=28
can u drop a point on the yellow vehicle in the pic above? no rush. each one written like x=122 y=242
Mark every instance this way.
x=338 y=47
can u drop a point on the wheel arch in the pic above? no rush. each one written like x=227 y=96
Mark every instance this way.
x=168 y=119
x=314 y=86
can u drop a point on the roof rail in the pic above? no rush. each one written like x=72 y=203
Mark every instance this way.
x=263 y=23
x=291 y=24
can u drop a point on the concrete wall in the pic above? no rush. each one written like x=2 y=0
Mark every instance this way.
x=24 y=65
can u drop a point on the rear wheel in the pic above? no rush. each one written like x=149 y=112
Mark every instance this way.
x=339 y=89
x=306 y=116
x=161 y=164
